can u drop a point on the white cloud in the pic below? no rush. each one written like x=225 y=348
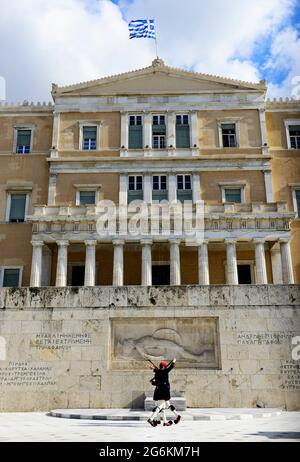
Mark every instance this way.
x=68 y=41
x=285 y=55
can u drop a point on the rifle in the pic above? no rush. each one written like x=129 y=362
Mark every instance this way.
x=152 y=363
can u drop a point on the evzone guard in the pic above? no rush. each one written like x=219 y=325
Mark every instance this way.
x=162 y=393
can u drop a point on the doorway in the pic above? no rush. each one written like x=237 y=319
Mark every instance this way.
x=244 y=274
x=161 y=275
x=77 y=276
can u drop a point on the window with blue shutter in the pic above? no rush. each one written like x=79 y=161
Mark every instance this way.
x=17 y=208
x=23 y=141
x=87 y=197
x=158 y=132
x=135 y=188
x=159 y=188
x=89 y=137
x=182 y=131
x=233 y=195
x=135 y=132
x=184 y=188
x=297 y=194
x=11 y=277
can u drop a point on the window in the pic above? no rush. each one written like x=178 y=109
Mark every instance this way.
x=229 y=139
x=233 y=195
x=17 y=208
x=23 y=141
x=10 y=277
x=159 y=182
x=158 y=132
x=297 y=195
x=89 y=138
x=184 y=188
x=159 y=186
x=87 y=197
x=294 y=133
x=182 y=131
x=296 y=200
x=135 y=134
x=135 y=183
x=135 y=188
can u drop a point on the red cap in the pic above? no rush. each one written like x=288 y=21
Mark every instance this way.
x=163 y=364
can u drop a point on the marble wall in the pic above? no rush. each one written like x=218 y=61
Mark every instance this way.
x=89 y=347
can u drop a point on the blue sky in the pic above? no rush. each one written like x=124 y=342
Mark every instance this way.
x=68 y=41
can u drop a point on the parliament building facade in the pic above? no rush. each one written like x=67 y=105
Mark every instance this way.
x=150 y=134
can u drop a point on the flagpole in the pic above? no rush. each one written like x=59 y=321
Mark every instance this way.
x=156 y=46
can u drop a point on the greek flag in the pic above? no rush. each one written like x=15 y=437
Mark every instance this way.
x=142 y=28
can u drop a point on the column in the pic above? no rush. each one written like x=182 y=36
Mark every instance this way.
x=118 y=270
x=175 y=279
x=171 y=130
x=62 y=263
x=146 y=263
x=203 y=268
x=231 y=269
x=123 y=191
x=268 y=186
x=194 y=133
x=55 y=135
x=147 y=130
x=90 y=263
x=147 y=184
x=52 y=188
x=36 y=264
x=286 y=262
x=263 y=130
x=276 y=265
x=196 y=188
x=172 y=190
x=260 y=262
x=124 y=130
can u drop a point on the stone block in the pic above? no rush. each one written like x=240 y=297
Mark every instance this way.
x=90 y=383
x=198 y=295
x=31 y=327
x=220 y=296
x=97 y=297
x=80 y=368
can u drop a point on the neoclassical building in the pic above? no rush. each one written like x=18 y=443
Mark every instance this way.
x=153 y=134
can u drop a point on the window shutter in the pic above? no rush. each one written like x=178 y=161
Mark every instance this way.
x=233 y=195
x=24 y=137
x=135 y=137
x=11 y=277
x=87 y=197
x=182 y=136
x=297 y=192
x=17 y=207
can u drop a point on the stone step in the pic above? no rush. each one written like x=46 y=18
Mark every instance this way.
x=188 y=415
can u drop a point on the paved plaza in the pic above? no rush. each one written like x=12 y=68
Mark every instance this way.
x=37 y=426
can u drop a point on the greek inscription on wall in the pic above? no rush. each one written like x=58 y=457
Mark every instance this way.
x=51 y=341
x=23 y=374
x=264 y=338
x=290 y=373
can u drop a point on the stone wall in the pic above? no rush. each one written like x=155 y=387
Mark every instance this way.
x=87 y=347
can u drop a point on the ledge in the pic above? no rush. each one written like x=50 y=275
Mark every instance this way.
x=212 y=298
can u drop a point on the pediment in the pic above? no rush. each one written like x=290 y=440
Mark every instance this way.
x=155 y=80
